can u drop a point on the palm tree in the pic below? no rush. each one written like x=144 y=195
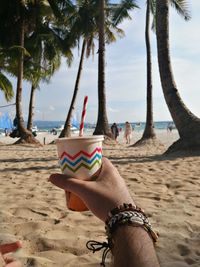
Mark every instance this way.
x=45 y=60
x=187 y=124
x=102 y=126
x=66 y=132
x=27 y=20
x=84 y=22
x=16 y=21
x=149 y=132
x=35 y=75
x=120 y=12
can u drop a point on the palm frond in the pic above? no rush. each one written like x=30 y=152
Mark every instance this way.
x=15 y=50
x=121 y=11
x=182 y=8
x=6 y=87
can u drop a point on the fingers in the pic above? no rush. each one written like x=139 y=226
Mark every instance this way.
x=10 y=247
x=68 y=184
x=81 y=187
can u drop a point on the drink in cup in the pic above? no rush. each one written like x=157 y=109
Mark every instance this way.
x=79 y=157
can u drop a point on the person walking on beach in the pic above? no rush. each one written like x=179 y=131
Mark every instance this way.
x=114 y=130
x=128 y=132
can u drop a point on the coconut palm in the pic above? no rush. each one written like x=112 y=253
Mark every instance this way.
x=44 y=61
x=30 y=21
x=149 y=132
x=187 y=124
x=35 y=75
x=180 y=7
x=67 y=126
x=119 y=13
x=84 y=23
x=16 y=20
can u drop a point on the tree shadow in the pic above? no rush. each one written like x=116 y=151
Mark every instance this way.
x=34 y=168
x=14 y=160
x=142 y=159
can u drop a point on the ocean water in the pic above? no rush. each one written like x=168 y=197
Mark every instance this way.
x=138 y=126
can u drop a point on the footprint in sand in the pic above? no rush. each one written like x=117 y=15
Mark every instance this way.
x=183 y=250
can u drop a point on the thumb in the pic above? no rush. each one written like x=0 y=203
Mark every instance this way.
x=67 y=183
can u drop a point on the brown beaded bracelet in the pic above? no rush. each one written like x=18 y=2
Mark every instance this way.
x=123 y=207
x=124 y=214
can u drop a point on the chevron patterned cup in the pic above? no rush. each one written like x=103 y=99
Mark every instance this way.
x=79 y=157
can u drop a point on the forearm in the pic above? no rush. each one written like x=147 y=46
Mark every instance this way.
x=133 y=247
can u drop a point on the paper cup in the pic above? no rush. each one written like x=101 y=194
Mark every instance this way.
x=79 y=157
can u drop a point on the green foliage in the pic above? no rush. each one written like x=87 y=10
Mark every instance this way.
x=6 y=87
x=182 y=8
x=121 y=11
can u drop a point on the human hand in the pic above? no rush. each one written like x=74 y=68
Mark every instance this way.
x=8 y=261
x=100 y=196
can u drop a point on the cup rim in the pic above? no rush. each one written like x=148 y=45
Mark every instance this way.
x=78 y=138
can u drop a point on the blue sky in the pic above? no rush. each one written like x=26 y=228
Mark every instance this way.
x=125 y=75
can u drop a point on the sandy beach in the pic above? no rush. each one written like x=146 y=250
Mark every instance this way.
x=33 y=210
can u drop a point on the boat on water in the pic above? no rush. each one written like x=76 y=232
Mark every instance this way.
x=73 y=129
x=35 y=128
x=74 y=126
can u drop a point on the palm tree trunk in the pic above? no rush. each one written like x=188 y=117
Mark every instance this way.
x=102 y=126
x=188 y=125
x=25 y=135
x=31 y=108
x=66 y=132
x=149 y=128
x=21 y=129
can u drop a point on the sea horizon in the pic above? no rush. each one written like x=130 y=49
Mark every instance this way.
x=47 y=125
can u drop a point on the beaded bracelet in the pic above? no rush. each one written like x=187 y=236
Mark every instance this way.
x=132 y=218
x=131 y=215
x=121 y=215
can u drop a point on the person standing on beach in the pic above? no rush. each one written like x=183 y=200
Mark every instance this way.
x=128 y=132
x=115 y=131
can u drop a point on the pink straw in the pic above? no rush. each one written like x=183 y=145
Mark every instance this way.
x=83 y=116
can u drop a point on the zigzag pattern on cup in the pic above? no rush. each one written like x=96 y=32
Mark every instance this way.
x=81 y=159
x=81 y=152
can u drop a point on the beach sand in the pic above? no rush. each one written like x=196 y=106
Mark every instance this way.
x=33 y=210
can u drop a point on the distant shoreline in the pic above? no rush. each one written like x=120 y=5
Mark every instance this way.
x=166 y=138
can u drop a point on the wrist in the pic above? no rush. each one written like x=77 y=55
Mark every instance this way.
x=127 y=232
x=132 y=246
